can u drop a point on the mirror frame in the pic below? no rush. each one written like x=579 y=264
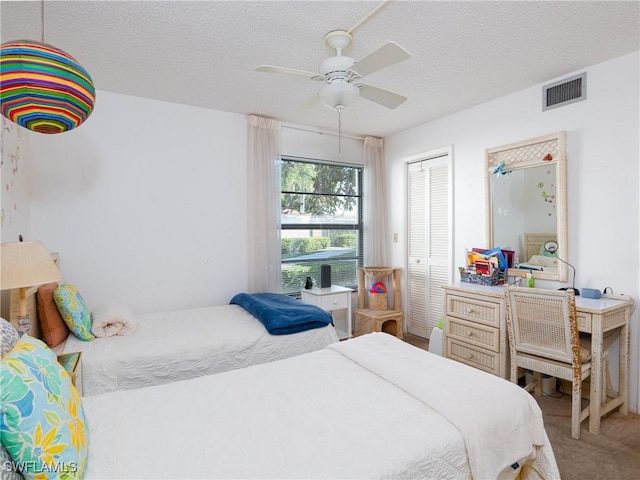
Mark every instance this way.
x=527 y=154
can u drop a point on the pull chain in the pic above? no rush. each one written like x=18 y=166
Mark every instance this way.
x=340 y=131
x=339 y=109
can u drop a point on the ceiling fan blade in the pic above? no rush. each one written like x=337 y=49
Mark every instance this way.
x=307 y=105
x=381 y=96
x=288 y=71
x=389 y=54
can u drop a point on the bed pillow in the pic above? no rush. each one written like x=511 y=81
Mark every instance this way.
x=74 y=311
x=112 y=319
x=8 y=469
x=54 y=330
x=9 y=336
x=42 y=423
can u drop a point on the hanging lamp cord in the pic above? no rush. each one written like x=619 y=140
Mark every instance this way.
x=42 y=19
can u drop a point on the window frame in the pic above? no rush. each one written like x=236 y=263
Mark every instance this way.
x=358 y=227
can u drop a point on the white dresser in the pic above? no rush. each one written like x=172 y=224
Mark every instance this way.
x=476 y=334
x=475 y=327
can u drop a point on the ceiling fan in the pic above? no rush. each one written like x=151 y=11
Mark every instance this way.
x=342 y=76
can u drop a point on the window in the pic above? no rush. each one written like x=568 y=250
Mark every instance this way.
x=321 y=222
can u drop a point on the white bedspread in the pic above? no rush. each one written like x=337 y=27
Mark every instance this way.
x=319 y=415
x=500 y=422
x=179 y=345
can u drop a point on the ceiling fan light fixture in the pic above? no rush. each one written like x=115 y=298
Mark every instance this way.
x=338 y=94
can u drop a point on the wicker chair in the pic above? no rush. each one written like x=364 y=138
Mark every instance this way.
x=544 y=338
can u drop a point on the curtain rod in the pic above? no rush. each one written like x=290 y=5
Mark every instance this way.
x=319 y=130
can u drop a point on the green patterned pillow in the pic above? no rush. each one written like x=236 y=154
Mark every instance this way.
x=74 y=311
x=42 y=425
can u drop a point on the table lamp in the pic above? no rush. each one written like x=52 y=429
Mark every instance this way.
x=26 y=264
x=552 y=247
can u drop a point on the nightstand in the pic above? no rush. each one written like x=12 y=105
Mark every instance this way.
x=71 y=362
x=331 y=299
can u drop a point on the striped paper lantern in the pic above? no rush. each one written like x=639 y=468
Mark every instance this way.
x=43 y=88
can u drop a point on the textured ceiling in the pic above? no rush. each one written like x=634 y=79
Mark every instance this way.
x=204 y=53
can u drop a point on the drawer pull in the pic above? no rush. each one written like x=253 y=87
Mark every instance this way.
x=335 y=302
x=469 y=333
x=470 y=356
x=470 y=310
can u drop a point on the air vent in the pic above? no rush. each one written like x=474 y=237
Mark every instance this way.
x=567 y=91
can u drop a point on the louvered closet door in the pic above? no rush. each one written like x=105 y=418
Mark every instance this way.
x=429 y=241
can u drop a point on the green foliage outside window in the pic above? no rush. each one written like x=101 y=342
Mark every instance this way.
x=321 y=222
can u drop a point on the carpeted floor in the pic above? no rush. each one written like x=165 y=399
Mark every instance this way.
x=612 y=455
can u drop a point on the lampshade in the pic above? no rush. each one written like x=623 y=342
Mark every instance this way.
x=43 y=88
x=25 y=264
x=338 y=94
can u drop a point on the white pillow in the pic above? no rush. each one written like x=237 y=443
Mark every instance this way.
x=112 y=319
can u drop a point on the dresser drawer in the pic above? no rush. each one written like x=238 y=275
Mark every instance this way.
x=334 y=302
x=474 y=310
x=584 y=322
x=475 y=357
x=474 y=333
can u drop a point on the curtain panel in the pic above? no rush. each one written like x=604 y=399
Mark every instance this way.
x=263 y=214
x=375 y=248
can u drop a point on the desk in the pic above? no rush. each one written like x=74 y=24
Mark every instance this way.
x=476 y=334
x=597 y=317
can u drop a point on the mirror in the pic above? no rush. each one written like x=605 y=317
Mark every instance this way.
x=527 y=204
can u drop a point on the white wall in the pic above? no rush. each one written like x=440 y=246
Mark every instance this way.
x=602 y=168
x=146 y=203
x=15 y=208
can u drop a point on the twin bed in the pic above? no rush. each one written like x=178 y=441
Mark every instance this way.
x=369 y=407
x=178 y=345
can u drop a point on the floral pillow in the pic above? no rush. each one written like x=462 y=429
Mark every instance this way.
x=42 y=425
x=74 y=311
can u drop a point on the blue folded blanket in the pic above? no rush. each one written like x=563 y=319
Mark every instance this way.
x=282 y=314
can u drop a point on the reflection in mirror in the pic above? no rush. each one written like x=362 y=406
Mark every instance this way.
x=526 y=204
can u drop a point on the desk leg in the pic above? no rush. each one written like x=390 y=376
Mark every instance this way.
x=595 y=407
x=623 y=387
x=349 y=319
x=619 y=399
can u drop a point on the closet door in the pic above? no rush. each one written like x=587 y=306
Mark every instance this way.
x=429 y=223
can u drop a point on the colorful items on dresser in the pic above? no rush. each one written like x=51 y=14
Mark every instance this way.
x=486 y=267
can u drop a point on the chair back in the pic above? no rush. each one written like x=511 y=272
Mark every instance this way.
x=543 y=323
